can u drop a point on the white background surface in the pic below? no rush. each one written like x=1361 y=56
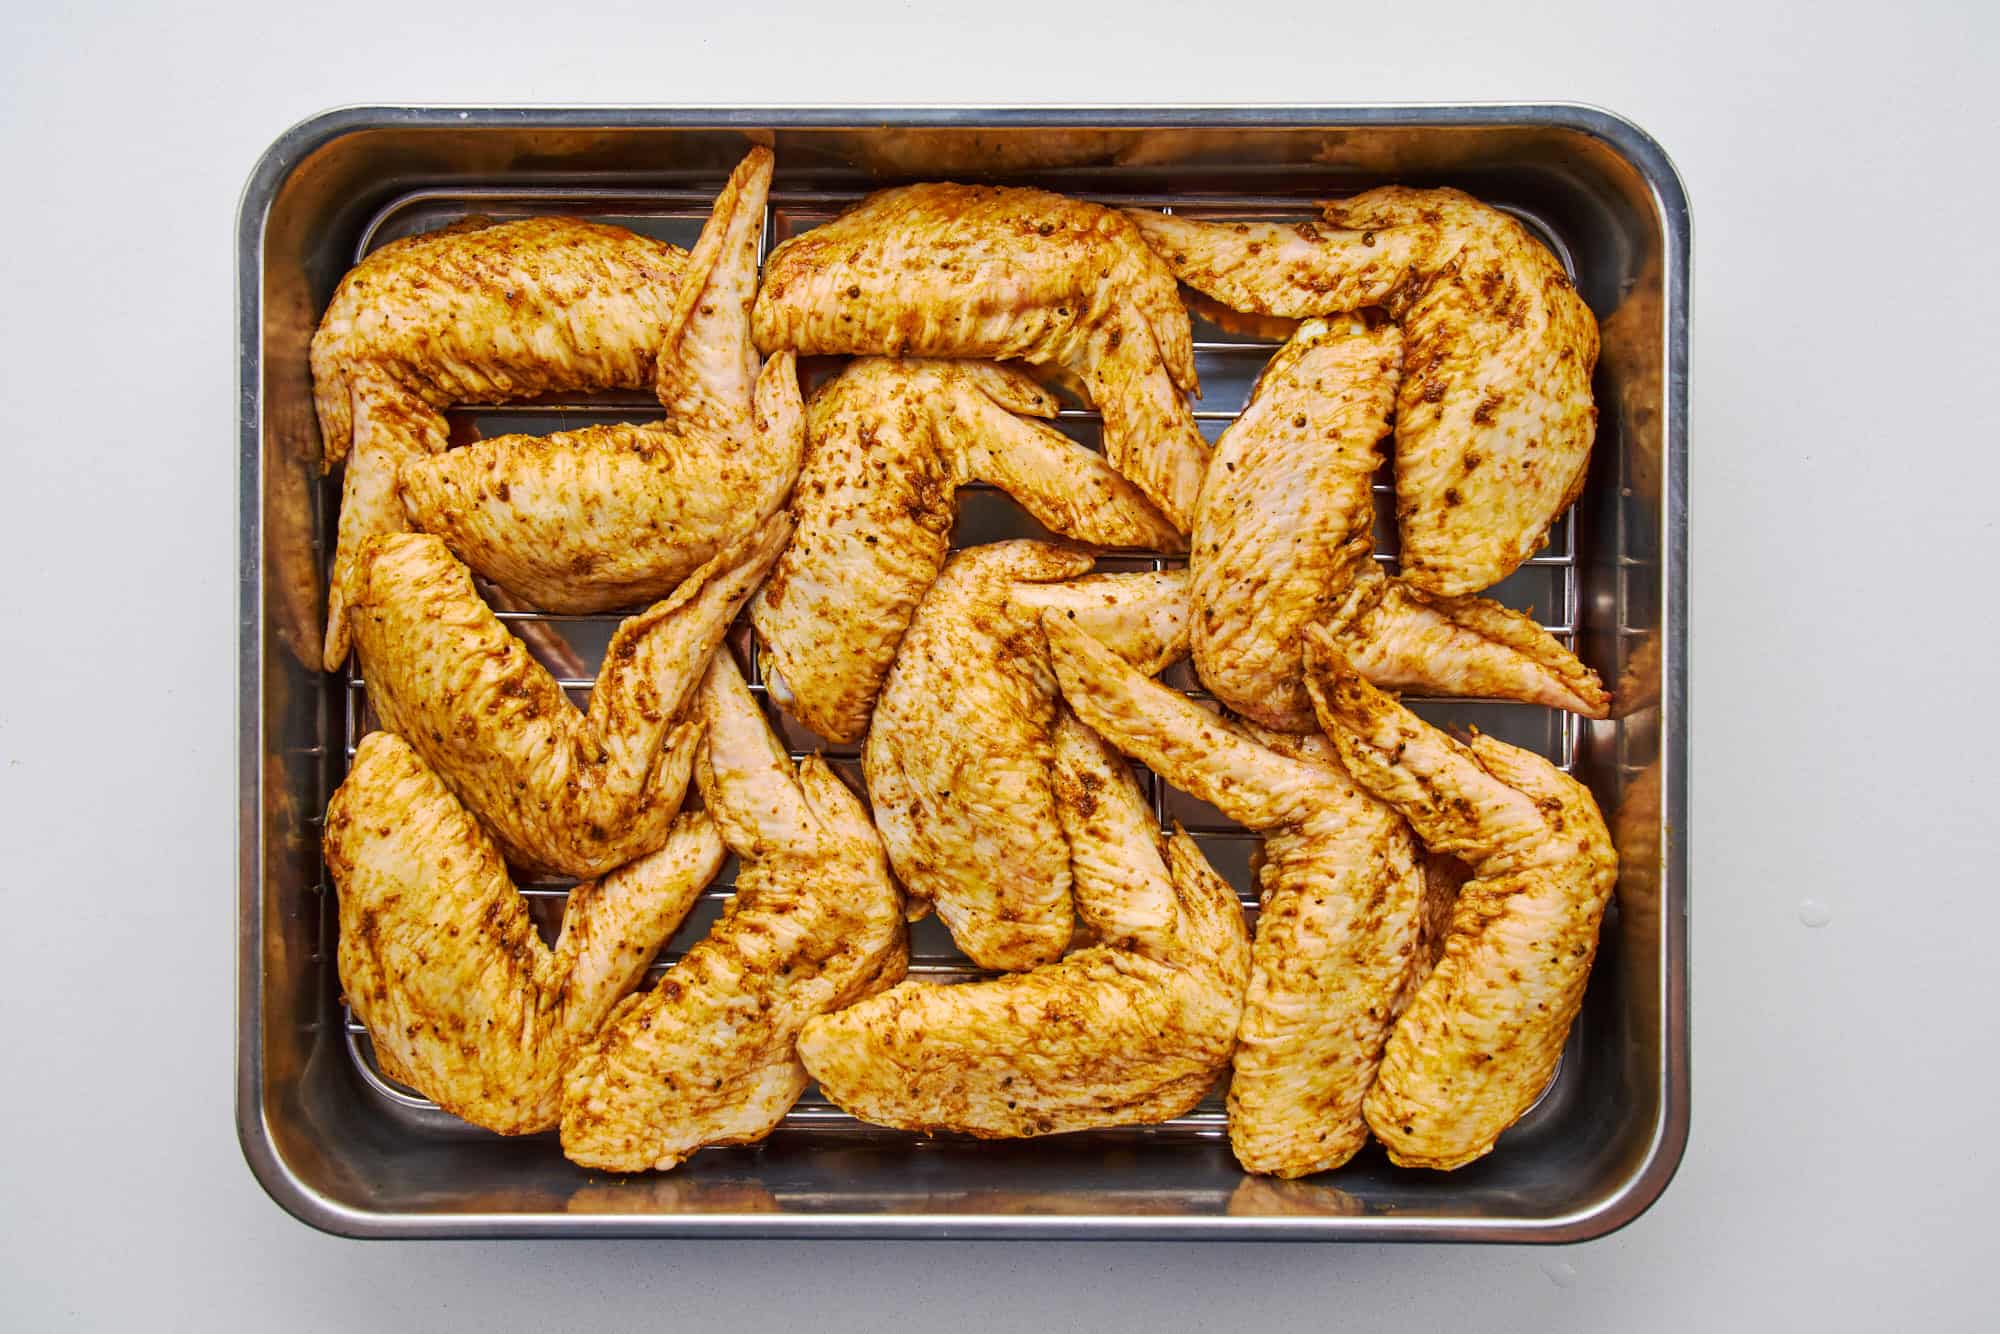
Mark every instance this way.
x=1840 y=164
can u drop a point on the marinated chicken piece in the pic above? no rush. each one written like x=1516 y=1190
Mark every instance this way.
x=958 y=756
x=479 y=315
x=615 y=516
x=891 y=441
x=1286 y=516
x=1403 y=638
x=1282 y=540
x=561 y=790
x=943 y=270
x=439 y=958
x=1337 y=933
x=708 y=1056
x=1114 y=1034
x=1494 y=417
x=1481 y=1037
x=1121 y=895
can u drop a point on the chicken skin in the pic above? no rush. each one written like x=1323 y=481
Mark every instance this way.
x=1283 y=539
x=943 y=270
x=891 y=441
x=1494 y=417
x=483 y=315
x=1121 y=897
x=561 y=790
x=439 y=958
x=1482 y=1035
x=958 y=756
x=615 y=516
x=1337 y=933
x=1125 y=1032
x=709 y=1055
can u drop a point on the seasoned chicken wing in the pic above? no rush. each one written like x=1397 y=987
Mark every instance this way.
x=1494 y=417
x=1286 y=516
x=942 y=270
x=439 y=958
x=891 y=441
x=1483 y=1033
x=1114 y=1034
x=708 y=1056
x=615 y=516
x=472 y=316
x=1282 y=540
x=958 y=756
x=561 y=790
x=1337 y=933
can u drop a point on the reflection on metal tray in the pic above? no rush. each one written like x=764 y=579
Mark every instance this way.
x=349 y=1150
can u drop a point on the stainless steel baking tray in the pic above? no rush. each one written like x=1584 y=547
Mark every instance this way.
x=348 y=1151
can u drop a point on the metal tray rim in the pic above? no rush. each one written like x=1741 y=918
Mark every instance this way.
x=298 y=1198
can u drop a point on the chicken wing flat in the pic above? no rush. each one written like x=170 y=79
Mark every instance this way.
x=1282 y=540
x=709 y=1055
x=439 y=958
x=1286 y=516
x=1337 y=933
x=1112 y=1035
x=958 y=756
x=1494 y=417
x=472 y=316
x=560 y=789
x=943 y=270
x=891 y=441
x=615 y=516
x=1482 y=1035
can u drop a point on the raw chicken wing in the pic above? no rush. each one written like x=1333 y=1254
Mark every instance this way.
x=480 y=315
x=561 y=790
x=439 y=958
x=941 y=270
x=958 y=756
x=891 y=441
x=1282 y=540
x=709 y=1055
x=1125 y=1032
x=1494 y=417
x=615 y=516
x=1482 y=1035
x=1337 y=933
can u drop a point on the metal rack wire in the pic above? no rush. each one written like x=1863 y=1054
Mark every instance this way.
x=1226 y=363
